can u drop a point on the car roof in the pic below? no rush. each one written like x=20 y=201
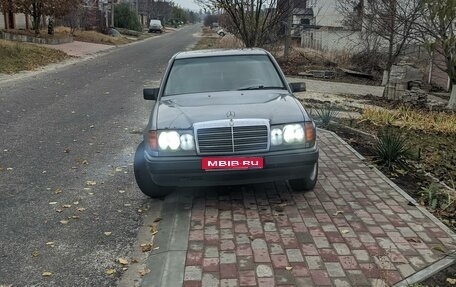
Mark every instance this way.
x=219 y=52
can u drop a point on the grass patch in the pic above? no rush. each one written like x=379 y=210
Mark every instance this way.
x=206 y=43
x=17 y=56
x=94 y=37
x=410 y=119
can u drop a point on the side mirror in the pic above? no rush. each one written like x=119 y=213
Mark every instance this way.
x=151 y=94
x=298 y=87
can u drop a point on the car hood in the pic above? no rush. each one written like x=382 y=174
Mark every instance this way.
x=180 y=112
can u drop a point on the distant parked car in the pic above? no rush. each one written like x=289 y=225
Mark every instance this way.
x=221 y=32
x=225 y=117
x=155 y=26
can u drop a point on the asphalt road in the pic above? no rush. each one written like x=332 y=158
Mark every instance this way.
x=66 y=178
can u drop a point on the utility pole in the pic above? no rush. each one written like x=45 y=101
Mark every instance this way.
x=112 y=13
x=286 y=51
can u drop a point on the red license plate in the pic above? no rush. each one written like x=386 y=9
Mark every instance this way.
x=231 y=163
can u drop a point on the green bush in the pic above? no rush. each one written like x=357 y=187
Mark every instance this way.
x=126 y=18
x=326 y=113
x=390 y=149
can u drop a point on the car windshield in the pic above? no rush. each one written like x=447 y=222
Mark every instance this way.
x=222 y=73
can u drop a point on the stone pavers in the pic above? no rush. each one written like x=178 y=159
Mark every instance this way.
x=354 y=229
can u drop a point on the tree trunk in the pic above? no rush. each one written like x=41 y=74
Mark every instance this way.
x=452 y=102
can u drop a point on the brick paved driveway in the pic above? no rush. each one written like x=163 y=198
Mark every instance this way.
x=354 y=229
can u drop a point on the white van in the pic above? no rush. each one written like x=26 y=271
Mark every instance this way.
x=155 y=26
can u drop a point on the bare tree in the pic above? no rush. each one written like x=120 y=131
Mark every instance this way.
x=38 y=8
x=438 y=31
x=390 y=22
x=7 y=7
x=161 y=10
x=255 y=22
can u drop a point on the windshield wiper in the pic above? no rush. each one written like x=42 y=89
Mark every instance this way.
x=261 y=87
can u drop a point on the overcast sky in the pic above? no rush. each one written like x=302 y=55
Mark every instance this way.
x=187 y=4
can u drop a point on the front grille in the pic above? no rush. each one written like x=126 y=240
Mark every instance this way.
x=239 y=137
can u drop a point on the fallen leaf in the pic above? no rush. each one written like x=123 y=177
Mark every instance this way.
x=50 y=243
x=338 y=212
x=76 y=202
x=9 y=168
x=439 y=248
x=67 y=150
x=345 y=231
x=58 y=190
x=133 y=261
x=119 y=169
x=91 y=182
x=140 y=210
x=53 y=202
x=46 y=274
x=87 y=189
x=35 y=253
x=59 y=210
x=414 y=240
x=85 y=162
x=146 y=247
x=452 y=281
x=64 y=221
x=158 y=219
x=66 y=205
x=122 y=261
x=107 y=233
x=80 y=209
x=110 y=271
x=153 y=229
x=92 y=126
x=127 y=204
x=121 y=191
x=74 y=217
x=278 y=209
x=143 y=272
x=288 y=268
x=156 y=248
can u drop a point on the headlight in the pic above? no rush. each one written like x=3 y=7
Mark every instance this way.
x=187 y=142
x=169 y=140
x=293 y=133
x=276 y=137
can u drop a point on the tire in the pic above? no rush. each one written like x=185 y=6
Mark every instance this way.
x=306 y=183
x=143 y=179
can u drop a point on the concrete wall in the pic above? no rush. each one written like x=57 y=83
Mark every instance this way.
x=326 y=13
x=19 y=19
x=438 y=77
x=332 y=41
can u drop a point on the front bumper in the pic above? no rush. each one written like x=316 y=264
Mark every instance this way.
x=187 y=171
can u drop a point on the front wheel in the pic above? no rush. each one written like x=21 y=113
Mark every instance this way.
x=143 y=179
x=306 y=183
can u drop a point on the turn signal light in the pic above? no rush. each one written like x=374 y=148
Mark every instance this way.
x=152 y=140
x=310 y=131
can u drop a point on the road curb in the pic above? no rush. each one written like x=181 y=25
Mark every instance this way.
x=435 y=267
x=167 y=264
x=427 y=272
